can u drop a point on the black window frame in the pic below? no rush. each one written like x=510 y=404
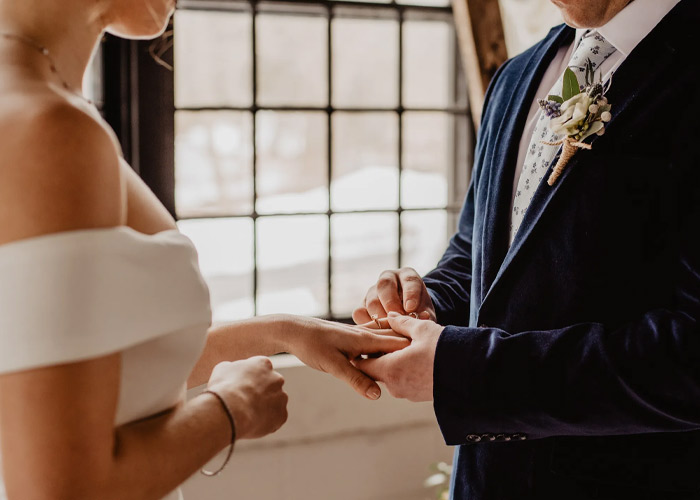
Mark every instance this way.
x=139 y=103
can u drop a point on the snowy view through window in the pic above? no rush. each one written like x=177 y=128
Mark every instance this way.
x=297 y=200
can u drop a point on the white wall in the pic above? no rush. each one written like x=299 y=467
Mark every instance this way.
x=526 y=22
x=335 y=446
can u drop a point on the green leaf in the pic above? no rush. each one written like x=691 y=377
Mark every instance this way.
x=571 y=87
x=555 y=98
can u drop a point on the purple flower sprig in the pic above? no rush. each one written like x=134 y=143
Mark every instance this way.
x=552 y=109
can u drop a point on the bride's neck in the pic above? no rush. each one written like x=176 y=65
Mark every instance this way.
x=69 y=29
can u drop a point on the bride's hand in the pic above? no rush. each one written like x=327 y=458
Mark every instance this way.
x=329 y=347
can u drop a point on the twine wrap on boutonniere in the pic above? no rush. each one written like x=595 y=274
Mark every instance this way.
x=577 y=114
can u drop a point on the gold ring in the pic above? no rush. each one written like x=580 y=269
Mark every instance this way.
x=413 y=315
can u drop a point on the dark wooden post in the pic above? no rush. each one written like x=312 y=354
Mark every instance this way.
x=482 y=45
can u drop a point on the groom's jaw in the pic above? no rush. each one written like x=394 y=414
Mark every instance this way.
x=591 y=13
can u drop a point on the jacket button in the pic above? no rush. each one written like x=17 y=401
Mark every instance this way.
x=473 y=438
x=520 y=437
x=483 y=325
x=503 y=437
x=488 y=437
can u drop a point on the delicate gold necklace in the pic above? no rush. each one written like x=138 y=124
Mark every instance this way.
x=44 y=52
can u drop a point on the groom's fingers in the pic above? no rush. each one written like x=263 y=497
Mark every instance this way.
x=388 y=292
x=374 y=305
x=405 y=325
x=388 y=342
x=361 y=317
x=377 y=368
x=413 y=288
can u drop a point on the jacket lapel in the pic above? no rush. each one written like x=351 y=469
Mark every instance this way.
x=644 y=66
x=505 y=152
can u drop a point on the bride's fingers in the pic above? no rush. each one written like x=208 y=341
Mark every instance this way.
x=360 y=382
x=391 y=342
x=376 y=324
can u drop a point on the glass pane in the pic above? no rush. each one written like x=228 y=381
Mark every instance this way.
x=428 y=156
x=365 y=161
x=225 y=249
x=292 y=162
x=363 y=246
x=213 y=59
x=293 y=60
x=428 y=72
x=365 y=63
x=293 y=265
x=423 y=239
x=213 y=163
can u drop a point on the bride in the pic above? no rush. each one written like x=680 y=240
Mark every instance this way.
x=104 y=317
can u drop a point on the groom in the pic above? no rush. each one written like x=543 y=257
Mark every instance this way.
x=569 y=366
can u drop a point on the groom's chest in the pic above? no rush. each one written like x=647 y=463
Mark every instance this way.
x=616 y=209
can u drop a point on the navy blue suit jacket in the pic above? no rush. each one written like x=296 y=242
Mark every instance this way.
x=571 y=364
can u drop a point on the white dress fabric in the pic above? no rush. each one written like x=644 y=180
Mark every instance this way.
x=79 y=295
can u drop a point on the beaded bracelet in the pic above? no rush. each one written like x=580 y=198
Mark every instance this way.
x=229 y=415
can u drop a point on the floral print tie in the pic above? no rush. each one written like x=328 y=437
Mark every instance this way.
x=539 y=156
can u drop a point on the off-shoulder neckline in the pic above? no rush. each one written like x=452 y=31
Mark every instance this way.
x=78 y=233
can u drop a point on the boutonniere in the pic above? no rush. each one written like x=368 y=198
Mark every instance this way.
x=576 y=115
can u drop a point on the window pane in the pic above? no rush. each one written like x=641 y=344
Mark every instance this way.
x=292 y=162
x=428 y=155
x=423 y=239
x=213 y=163
x=363 y=246
x=225 y=249
x=365 y=161
x=428 y=72
x=213 y=59
x=293 y=60
x=293 y=265
x=365 y=63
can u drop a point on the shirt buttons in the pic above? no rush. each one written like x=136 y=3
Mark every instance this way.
x=473 y=438
x=503 y=437
x=520 y=437
x=488 y=437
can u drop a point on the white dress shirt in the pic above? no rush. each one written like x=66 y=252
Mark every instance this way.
x=625 y=31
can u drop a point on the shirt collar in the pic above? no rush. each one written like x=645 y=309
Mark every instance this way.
x=631 y=25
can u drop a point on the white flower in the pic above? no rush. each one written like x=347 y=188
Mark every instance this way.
x=606 y=116
x=593 y=108
x=573 y=113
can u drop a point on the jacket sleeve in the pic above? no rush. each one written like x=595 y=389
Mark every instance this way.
x=449 y=284
x=582 y=380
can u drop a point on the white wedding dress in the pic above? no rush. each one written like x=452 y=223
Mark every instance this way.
x=78 y=295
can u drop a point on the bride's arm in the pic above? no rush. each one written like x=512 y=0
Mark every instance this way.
x=323 y=345
x=59 y=172
x=59 y=440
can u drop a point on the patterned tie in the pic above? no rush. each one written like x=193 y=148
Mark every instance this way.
x=539 y=156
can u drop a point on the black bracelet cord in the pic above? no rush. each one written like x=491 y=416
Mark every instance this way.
x=229 y=415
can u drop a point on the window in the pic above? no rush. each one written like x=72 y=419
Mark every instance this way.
x=316 y=143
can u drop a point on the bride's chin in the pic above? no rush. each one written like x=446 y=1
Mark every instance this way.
x=143 y=31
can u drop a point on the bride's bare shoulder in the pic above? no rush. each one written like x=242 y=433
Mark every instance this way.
x=59 y=170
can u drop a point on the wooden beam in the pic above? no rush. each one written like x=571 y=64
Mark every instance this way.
x=482 y=46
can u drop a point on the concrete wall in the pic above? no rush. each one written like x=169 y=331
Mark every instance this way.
x=335 y=446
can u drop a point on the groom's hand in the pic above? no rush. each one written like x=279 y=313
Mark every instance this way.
x=401 y=291
x=408 y=373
